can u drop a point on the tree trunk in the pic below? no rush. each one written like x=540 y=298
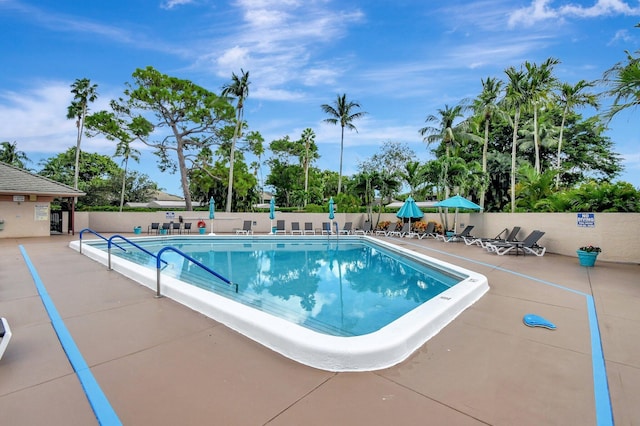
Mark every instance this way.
x=341 y=149
x=124 y=180
x=558 y=161
x=513 y=160
x=231 y=161
x=484 y=164
x=183 y=175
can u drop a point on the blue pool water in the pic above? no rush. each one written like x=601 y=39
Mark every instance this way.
x=345 y=288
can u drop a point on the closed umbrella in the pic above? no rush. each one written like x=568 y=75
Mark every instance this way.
x=409 y=210
x=331 y=215
x=212 y=209
x=272 y=211
x=458 y=202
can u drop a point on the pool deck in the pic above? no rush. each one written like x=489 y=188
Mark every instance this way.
x=160 y=363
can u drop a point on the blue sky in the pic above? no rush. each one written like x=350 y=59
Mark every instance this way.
x=401 y=59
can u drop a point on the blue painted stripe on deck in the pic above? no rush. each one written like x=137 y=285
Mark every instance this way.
x=97 y=399
x=604 y=411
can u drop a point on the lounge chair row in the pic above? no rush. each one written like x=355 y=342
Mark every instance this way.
x=498 y=245
x=169 y=228
x=310 y=230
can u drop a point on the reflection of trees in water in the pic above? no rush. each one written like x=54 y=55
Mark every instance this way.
x=365 y=271
x=289 y=279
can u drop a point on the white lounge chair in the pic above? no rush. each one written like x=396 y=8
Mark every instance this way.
x=246 y=228
x=5 y=335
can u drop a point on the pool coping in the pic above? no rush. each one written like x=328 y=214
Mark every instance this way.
x=384 y=348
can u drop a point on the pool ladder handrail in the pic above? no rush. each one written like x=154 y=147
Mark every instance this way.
x=191 y=259
x=97 y=235
x=110 y=242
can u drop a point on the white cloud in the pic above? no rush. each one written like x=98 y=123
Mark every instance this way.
x=170 y=4
x=541 y=10
x=37 y=119
x=279 y=42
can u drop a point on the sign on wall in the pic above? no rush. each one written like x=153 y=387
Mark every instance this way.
x=41 y=212
x=587 y=220
x=170 y=215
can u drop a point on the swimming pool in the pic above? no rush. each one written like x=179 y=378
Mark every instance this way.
x=346 y=304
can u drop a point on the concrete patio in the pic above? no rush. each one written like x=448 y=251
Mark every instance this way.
x=160 y=363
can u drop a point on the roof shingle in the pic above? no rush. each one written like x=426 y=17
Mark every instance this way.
x=14 y=180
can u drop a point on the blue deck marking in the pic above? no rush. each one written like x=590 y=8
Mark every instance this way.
x=604 y=411
x=98 y=401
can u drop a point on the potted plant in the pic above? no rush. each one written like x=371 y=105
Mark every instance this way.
x=202 y=227
x=137 y=229
x=587 y=255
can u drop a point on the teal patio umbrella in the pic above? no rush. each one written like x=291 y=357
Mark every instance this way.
x=409 y=210
x=457 y=202
x=331 y=214
x=272 y=212
x=212 y=209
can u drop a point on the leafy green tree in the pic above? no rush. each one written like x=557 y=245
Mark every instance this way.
x=238 y=89
x=187 y=119
x=570 y=97
x=533 y=187
x=590 y=154
x=342 y=112
x=99 y=177
x=594 y=196
x=83 y=93
x=115 y=128
x=9 y=154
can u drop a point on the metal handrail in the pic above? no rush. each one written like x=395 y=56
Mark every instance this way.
x=109 y=242
x=191 y=259
x=97 y=235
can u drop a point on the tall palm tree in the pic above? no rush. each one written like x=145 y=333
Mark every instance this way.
x=342 y=112
x=516 y=98
x=308 y=137
x=83 y=93
x=444 y=131
x=486 y=106
x=540 y=81
x=572 y=96
x=9 y=154
x=238 y=89
x=447 y=133
x=124 y=150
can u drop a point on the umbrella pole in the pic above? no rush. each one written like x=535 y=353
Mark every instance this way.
x=211 y=233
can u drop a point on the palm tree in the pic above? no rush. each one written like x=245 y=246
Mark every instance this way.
x=83 y=93
x=516 y=98
x=486 y=106
x=124 y=150
x=570 y=97
x=239 y=89
x=623 y=80
x=342 y=112
x=540 y=80
x=308 y=137
x=447 y=133
x=9 y=154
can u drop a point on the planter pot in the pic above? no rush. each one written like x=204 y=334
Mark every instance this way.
x=202 y=230
x=163 y=231
x=137 y=230
x=587 y=258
